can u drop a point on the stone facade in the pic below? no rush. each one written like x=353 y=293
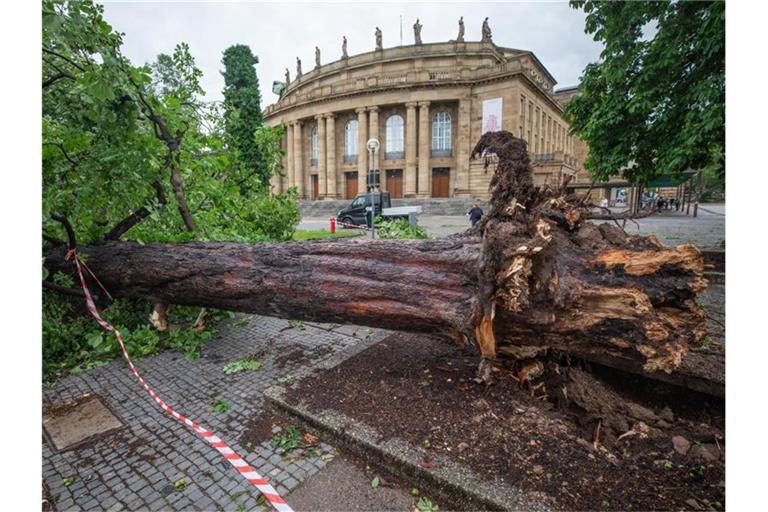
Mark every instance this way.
x=429 y=99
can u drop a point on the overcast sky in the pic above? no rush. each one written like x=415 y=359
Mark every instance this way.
x=279 y=32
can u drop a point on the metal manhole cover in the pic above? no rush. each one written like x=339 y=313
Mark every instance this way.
x=70 y=425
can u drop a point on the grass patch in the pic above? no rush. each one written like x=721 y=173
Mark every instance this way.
x=323 y=234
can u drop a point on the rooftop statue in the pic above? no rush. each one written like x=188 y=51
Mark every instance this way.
x=460 y=37
x=378 y=39
x=298 y=67
x=486 y=32
x=317 y=57
x=344 y=48
x=417 y=32
x=287 y=77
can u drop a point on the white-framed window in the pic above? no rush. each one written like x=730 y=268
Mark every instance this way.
x=313 y=143
x=394 y=126
x=441 y=132
x=350 y=138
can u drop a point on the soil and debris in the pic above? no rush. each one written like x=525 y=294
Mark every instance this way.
x=259 y=428
x=588 y=437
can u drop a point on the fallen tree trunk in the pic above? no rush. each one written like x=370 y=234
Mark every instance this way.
x=533 y=276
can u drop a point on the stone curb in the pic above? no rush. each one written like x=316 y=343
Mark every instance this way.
x=448 y=481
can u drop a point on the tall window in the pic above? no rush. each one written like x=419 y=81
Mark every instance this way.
x=441 y=134
x=313 y=140
x=350 y=138
x=394 y=147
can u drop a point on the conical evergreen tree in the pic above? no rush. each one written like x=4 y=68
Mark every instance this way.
x=242 y=109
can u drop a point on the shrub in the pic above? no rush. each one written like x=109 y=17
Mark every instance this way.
x=400 y=229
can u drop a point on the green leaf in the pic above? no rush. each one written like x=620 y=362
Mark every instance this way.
x=375 y=482
x=220 y=407
x=95 y=339
x=425 y=505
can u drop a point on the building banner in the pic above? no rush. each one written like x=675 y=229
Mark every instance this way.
x=492 y=115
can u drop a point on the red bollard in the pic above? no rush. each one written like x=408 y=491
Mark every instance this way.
x=333 y=225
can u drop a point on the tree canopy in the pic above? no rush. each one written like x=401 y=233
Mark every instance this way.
x=117 y=137
x=655 y=102
x=134 y=152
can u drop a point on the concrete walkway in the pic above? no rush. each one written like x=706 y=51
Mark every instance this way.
x=707 y=230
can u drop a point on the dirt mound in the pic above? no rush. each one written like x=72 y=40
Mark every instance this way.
x=530 y=433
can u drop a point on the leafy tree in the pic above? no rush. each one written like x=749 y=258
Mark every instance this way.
x=653 y=104
x=242 y=105
x=133 y=152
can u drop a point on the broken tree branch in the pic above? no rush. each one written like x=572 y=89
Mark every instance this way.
x=72 y=241
x=74 y=292
x=134 y=218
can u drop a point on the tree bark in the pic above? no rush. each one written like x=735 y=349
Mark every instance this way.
x=532 y=277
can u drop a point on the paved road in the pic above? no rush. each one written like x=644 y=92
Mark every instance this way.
x=707 y=230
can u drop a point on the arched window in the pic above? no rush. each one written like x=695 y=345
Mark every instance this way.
x=350 y=140
x=313 y=145
x=394 y=149
x=441 y=134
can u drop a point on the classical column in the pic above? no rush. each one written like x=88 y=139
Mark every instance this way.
x=373 y=133
x=289 y=155
x=321 y=171
x=298 y=159
x=362 y=151
x=410 y=150
x=424 y=150
x=332 y=177
x=463 y=142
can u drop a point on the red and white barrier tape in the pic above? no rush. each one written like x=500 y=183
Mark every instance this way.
x=250 y=474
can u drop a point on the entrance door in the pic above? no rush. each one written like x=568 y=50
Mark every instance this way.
x=351 y=185
x=315 y=186
x=395 y=183
x=441 y=178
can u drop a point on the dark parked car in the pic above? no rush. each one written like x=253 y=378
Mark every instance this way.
x=356 y=212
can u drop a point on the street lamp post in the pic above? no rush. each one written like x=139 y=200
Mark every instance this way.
x=373 y=148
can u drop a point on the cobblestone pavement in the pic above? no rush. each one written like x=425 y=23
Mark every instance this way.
x=707 y=230
x=137 y=467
